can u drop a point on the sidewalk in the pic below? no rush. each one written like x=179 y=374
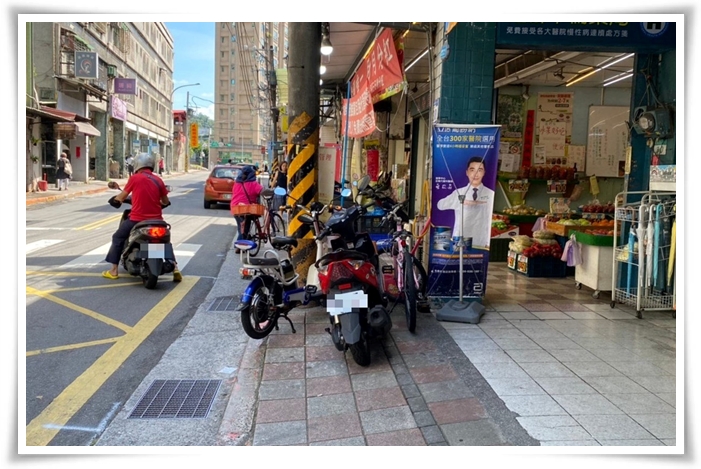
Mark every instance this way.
x=76 y=189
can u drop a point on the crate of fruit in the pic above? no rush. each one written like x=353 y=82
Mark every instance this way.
x=564 y=230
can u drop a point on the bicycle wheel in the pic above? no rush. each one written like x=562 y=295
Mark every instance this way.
x=421 y=281
x=257 y=318
x=254 y=234
x=277 y=226
x=409 y=291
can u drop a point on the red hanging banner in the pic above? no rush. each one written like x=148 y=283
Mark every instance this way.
x=361 y=119
x=381 y=69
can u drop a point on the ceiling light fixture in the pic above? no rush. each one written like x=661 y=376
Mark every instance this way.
x=598 y=69
x=413 y=62
x=620 y=78
x=326 y=47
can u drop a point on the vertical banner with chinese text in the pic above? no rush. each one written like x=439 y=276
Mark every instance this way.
x=554 y=126
x=462 y=192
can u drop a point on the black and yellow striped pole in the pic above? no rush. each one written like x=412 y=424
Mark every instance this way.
x=303 y=134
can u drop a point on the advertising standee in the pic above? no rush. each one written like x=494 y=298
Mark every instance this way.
x=463 y=183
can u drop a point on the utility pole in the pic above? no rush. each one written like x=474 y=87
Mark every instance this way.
x=274 y=111
x=303 y=133
x=187 y=129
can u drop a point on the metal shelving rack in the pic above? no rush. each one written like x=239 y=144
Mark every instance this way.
x=641 y=251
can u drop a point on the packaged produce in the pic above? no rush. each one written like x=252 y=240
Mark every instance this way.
x=543 y=234
x=544 y=241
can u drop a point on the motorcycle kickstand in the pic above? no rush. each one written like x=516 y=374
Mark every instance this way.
x=288 y=320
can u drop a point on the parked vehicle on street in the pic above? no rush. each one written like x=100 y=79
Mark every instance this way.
x=148 y=252
x=217 y=187
x=349 y=279
x=264 y=229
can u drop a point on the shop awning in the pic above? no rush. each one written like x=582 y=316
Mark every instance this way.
x=87 y=129
x=49 y=113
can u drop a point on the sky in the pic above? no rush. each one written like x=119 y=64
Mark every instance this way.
x=193 y=46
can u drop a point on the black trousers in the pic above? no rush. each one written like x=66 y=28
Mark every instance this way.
x=118 y=239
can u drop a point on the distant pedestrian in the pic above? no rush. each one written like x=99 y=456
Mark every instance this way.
x=63 y=171
x=130 y=165
x=279 y=179
x=161 y=167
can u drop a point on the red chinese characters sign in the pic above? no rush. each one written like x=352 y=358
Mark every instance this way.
x=381 y=70
x=361 y=118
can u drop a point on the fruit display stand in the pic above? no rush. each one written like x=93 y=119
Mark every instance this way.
x=596 y=269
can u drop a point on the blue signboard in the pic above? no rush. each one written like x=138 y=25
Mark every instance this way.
x=465 y=159
x=640 y=37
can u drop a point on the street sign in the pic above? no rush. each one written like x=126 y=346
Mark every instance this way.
x=194 y=137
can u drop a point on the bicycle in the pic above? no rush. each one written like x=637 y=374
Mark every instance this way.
x=408 y=273
x=272 y=224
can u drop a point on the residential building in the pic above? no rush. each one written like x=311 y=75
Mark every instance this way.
x=245 y=53
x=100 y=91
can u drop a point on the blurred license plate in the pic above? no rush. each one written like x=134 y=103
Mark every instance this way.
x=343 y=303
x=227 y=196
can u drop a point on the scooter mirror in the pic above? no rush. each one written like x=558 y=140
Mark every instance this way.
x=280 y=191
x=363 y=182
x=346 y=192
x=113 y=185
x=169 y=188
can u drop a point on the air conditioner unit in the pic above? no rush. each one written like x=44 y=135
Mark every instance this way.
x=47 y=95
x=654 y=122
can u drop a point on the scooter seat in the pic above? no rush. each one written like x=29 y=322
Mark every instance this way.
x=151 y=223
x=267 y=194
x=262 y=261
x=280 y=242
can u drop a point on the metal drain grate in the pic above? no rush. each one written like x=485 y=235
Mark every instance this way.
x=177 y=399
x=224 y=303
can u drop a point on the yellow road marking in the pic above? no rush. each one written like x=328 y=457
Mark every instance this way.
x=74 y=397
x=62 y=348
x=94 y=287
x=61 y=274
x=80 y=309
x=95 y=224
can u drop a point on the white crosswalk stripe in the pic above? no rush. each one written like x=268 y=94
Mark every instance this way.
x=41 y=244
x=183 y=254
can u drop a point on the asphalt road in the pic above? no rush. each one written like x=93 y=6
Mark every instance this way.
x=91 y=341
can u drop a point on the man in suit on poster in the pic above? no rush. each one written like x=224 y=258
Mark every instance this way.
x=476 y=209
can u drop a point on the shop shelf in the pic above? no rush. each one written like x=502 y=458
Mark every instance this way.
x=499 y=249
x=541 y=267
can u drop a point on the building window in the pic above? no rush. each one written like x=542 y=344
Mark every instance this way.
x=233 y=38
x=233 y=81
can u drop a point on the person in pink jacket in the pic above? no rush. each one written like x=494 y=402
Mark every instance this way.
x=246 y=190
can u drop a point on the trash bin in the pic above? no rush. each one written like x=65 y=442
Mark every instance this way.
x=43 y=185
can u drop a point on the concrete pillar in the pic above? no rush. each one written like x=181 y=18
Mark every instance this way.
x=303 y=133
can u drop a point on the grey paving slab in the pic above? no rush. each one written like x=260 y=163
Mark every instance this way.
x=331 y=405
x=444 y=391
x=669 y=397
x=571 y=385
x=554 y=428
x=476 y=433
x=657 y=384
x=571 y=443
x=424 y=418
x=365 y=381
x=284 y=355
x=501 y=370
x=586 y=404
x=461 y=334
x=326 y=368
x=432 y=434
x=530 y=356
x=638 y=368
x=280 y=434
x=282 y=389
x=356 y=441
x=660 y=425
x=574 y=355
x=488 y=356
x=555 y=343
x=613 y=427
x=517 y=344
x=547 y=370
x=515 y=386
x=653 y=442
x=387 y=420
x=477 y=344
x=591 y=369
x=614 y=385
x=646 y=403
x=537 y=405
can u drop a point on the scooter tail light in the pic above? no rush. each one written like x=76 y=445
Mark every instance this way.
x=156 y=231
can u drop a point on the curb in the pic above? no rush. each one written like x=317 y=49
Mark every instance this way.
x=51 y=198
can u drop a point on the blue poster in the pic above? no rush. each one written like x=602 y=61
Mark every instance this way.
x=465 y=159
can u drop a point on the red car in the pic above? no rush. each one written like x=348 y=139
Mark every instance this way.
x=217 y=187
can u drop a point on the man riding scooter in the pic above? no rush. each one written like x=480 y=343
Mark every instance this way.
x=149 y=196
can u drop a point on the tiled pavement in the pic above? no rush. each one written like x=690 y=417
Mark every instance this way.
x=546 y=365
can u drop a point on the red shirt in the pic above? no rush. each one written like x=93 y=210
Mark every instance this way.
x=146 y=191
